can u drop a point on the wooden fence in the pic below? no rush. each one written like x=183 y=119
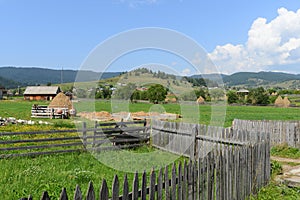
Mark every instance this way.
x=233 y=172
x=197 y=140
x=280 y=132
x=225 y=163
x=106 y=136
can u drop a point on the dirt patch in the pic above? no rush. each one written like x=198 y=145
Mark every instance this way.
x=291 y=171
x=127 y=116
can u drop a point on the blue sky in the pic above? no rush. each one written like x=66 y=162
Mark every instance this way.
x=238 y=35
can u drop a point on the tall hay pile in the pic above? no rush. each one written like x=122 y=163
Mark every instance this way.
x=61 y=101
x=200 y=100
x=284 y=103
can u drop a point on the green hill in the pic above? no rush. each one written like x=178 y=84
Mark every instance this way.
x=21 y=76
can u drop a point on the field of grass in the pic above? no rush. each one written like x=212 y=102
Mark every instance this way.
x=22 y=176
x=22 y=110
x=229 y=112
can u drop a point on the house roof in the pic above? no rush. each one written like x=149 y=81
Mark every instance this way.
x=243 y=91
x=42 y=90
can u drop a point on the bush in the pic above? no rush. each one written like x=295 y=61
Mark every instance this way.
x=276 y=168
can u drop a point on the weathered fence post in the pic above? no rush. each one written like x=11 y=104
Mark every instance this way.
x=45 y=196
x=160 y=184
x=115 y=188
x=152 y=185
x=63 y=194
x=77 y=194
x=167 y=188
x=95 y=133
x=144 y=186
x=104 y=191
x=84 y=131
x=135 y=187
x=91 y=192
x=125 y=188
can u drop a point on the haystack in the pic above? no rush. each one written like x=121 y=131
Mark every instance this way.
x=61 y=101
x=279 y=102
x=200 y=100
x=286 y=102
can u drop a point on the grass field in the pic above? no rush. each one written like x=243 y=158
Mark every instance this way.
x=23 y=176
x=22 y=110
x=229 y=112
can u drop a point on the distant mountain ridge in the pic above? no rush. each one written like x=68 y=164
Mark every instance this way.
x=255 y=79
x=12 y=77
x=266 y=77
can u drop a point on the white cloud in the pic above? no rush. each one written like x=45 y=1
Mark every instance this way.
x=269 y=43
x=186 y=72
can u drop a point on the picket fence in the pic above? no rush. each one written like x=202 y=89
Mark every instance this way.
x=234 y=172
x=280 y=132
x=224 y=164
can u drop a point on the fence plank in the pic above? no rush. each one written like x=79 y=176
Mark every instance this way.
x=84 y=134
x=115 y=188
x=204 y=178
x=63 y=194
x=45 y=196
x=160 y=184
x=218 y=175
x=91 y=192
x=184 y=181
x=77 y=193
x=167 y=188
x=125 y=188
x=144 y=186
x=179 y=190
x=210 y=172
x=103 y=191
x=173 y=182
x=135 y=187
x=152 y=185
x=190 y=181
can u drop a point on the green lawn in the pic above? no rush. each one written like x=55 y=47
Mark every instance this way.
x=22 y=176
x=22 y=110
x=229 y=112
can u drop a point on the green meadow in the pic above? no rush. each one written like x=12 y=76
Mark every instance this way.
x=208 y=114
x=33 y=175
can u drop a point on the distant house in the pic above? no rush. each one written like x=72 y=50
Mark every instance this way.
x=41 y=92
x=243 y=92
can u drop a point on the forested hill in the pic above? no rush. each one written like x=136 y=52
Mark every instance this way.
x=8 y=83
x=255 y=79
x=12 y=77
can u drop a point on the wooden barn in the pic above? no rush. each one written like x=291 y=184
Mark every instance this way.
x=41 y=92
